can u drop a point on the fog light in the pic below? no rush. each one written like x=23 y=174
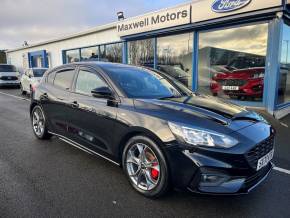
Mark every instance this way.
x=212 y=180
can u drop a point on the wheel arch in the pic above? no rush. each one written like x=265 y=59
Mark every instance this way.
x=32 y=105
x=136 y=131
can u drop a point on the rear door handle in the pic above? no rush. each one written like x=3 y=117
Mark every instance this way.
x=75 y=104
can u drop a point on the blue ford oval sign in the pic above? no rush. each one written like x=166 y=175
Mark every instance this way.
x=221 y=6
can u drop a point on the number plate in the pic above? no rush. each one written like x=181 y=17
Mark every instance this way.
x=231 y=88
x=262 y=162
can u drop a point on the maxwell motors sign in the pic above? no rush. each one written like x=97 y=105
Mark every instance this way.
x=162 y=19
x=222 y=6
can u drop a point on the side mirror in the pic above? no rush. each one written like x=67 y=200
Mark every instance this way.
x=102 y=92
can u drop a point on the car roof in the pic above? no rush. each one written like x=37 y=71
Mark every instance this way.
x=105 y=65
x=102 y=64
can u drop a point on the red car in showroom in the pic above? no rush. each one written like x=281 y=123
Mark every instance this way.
x=239 y=83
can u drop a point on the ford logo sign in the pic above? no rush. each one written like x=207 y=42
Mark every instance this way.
x=221 y=6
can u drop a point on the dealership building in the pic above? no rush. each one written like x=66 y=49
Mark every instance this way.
x=232 y=49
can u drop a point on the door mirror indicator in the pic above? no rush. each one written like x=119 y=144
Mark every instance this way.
x=102 y=92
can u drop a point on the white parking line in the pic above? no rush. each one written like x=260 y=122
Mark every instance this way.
x=282 y=170
x=284 y=124
x=14 y=96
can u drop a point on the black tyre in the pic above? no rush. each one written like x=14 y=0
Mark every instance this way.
x=146 y=167
x=39 y=124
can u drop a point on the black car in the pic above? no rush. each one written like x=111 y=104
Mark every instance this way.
x=161 y=133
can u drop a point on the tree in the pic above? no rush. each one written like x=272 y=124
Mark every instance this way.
x=3 y=59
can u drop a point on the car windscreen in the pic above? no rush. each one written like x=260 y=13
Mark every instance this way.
x=7 y=68
x=38 y=72
x=143 y=83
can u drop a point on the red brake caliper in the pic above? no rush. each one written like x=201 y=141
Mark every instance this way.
x=154 y=172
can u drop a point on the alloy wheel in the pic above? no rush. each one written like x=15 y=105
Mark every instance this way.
x=38 y=122
x=143 y=166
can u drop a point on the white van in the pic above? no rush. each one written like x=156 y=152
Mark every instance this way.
x=9 y=76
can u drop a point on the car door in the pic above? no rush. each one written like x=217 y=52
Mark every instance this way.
x=91 y=120
x=55 y=99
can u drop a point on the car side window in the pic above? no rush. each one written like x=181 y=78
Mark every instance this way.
x=64 y=78
x=87 y=81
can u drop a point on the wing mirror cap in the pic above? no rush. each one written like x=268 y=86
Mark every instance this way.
x=102 y=92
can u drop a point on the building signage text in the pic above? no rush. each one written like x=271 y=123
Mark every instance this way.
x=163 y=19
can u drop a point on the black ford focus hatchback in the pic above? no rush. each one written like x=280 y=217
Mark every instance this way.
x=156 y=129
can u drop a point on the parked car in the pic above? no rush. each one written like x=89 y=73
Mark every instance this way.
x=30 y=79
x=160 y=132
x=9 y=76
x=239 y=83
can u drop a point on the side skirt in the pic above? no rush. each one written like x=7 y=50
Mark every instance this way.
x=83 y=148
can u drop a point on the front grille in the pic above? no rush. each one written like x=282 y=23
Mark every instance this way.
x=233 y=82
x=9 y=78
x=259 y=151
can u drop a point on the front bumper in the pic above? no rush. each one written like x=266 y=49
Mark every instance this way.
x=9 y=82
x=218 y=173
x=229 y=184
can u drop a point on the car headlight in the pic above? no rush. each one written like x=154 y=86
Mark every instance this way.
x=258 y=75
x=199 y=137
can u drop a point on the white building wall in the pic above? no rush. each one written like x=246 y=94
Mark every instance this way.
x=54 y=49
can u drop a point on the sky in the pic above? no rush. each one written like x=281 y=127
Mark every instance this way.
x=38 y=20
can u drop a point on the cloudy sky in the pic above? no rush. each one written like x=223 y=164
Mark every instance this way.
x=38 y=20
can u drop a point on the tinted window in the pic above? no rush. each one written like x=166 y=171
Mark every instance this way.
x=63 y=79
x=7 y=68
x=38 y=72
x=142 y=83
x=87 y=81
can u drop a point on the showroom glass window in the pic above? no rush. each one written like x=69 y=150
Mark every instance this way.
x=174 y=57
x=284 y=84
x=114 y=52
x=72 y=56
x=141 y=52
x=90 y=54
x=232 y=62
